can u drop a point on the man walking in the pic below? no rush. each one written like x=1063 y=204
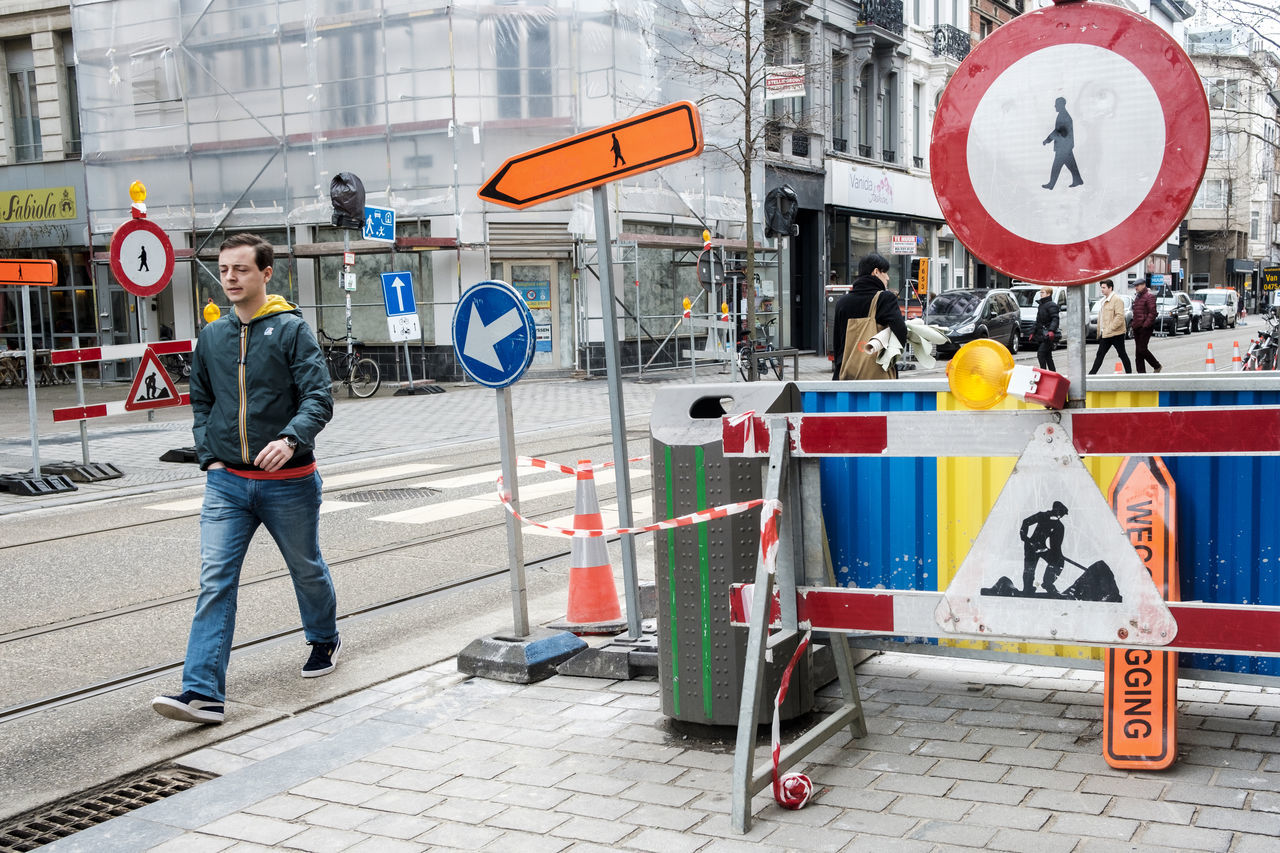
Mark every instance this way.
x=1144 y=324
x=1111 y=328
x=873 y=276
x=259 y=395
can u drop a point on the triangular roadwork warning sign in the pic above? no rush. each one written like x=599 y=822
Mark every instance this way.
x=1052 y=563
x=152 y=388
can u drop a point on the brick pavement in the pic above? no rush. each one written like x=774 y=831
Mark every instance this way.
x=961 y=755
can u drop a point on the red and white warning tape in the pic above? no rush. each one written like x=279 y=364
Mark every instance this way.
x=681 y=521
x=792 y=790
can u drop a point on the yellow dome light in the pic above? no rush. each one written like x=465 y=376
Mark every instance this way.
x=138 y=192
x=979 y=373
x=211 y=312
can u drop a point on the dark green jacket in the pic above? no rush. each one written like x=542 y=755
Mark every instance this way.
x=253 y=383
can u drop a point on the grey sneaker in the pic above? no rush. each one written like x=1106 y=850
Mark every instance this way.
x=323 y=660
x=188 y=707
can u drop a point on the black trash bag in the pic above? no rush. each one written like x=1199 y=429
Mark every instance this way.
x=347 y=194
x=780 y=205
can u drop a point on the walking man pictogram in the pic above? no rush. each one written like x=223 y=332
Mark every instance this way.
x=1063 y=137
x=142 y=259
x=617 y=152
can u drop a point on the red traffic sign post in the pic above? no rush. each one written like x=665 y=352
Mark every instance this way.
x=141 y=257
x=1070 y=143
x=657 y=138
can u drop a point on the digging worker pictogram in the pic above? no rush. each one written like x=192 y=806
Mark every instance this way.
x=1041 y=536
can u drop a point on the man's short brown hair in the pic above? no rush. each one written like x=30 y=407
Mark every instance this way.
x=263 y=254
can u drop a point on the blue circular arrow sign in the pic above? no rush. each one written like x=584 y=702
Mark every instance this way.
x=493 y=334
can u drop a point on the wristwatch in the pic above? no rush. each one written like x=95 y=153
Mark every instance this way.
x=291 y=441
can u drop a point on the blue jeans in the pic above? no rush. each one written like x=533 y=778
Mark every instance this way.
x=234 y=506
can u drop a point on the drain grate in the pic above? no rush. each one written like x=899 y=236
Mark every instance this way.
x=68 y=816
x=390 y=495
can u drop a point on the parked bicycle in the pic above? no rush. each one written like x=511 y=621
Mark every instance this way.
x=360 y=375
x=1262 y=353
x=763 y=344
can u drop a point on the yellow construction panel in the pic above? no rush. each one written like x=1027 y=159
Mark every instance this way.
x=968 y=488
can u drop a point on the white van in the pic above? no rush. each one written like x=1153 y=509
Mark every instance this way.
x=1028 y=296
x=1222 y=302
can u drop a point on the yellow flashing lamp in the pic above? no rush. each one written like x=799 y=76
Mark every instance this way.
x=706 y=240
x=138 y=192
x=982 y=373
x=211 y=312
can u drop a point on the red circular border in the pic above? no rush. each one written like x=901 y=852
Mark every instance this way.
x=1186 y=110
x=117 y=270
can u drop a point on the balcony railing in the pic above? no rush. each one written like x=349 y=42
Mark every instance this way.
x=918 y=162
x=890 y=156
x=864 y=151
x=950 y=41
x=885 y=14
x=799 y=144
x=841 y=145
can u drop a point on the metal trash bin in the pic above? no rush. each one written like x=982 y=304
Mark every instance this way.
x=700 y=656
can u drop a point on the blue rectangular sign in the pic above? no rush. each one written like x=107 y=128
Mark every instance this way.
x=397 y=293
x=379 y=224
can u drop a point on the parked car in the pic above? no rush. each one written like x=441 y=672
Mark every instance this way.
x=1223 y=303
x=1198 y=321
x=1091 y=328
x=1028 y=296
x=969 y=314
x=1173 y=314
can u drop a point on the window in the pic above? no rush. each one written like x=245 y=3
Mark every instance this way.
x=1214 y=194
x=523 y=51
x=1220 y=144
x=984 y=28
x=1255 y=225
x=866 y=121
x=71 y=113
x=839 y=94
x=889 y=119
x=1222 y=93
x=917 y=125
x=24 y=109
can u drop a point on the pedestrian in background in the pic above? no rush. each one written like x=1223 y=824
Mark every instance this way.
x=868 y=288
x=1144 y=324
x=259 y=396
x=1111 y=328
x=1045 y=331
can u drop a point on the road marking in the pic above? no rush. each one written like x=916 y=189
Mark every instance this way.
x=337 y=481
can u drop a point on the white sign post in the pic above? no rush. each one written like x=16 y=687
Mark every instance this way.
x=402 y=318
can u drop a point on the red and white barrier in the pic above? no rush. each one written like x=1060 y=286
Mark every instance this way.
x=111 y=353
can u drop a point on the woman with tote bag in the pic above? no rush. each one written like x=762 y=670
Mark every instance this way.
x=861 y=313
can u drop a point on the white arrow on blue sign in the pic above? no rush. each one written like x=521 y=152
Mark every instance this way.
x=493 y=334
x=397 y=293
x=379 y=224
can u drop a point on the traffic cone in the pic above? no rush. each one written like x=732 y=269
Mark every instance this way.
x=1119 y=368
x=1236 y=363
x=593 y=598
x=1209 y=364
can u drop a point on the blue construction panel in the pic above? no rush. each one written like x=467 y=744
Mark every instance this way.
x=881 y=514
x=1228 y=527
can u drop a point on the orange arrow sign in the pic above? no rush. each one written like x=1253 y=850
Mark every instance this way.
x=657 y=138
x=43 y=273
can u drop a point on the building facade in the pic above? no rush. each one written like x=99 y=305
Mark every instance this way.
x=1232 y=226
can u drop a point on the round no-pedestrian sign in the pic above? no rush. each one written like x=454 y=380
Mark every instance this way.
x=1070 y=143
x=141 y=257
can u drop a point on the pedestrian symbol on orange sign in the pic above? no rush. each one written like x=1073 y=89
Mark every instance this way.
x=617 y=152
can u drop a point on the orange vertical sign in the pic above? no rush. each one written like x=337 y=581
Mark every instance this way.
x=1140 y=686
x=657 y=138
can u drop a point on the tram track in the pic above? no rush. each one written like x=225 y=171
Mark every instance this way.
x=128 y=679
x=334 y=493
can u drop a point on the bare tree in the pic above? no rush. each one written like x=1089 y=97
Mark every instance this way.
x=721 y=48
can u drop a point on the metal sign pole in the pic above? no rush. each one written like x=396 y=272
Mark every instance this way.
x=31 y=379
x=1075 y=326
x=342 y=282
x=623 y=479
x=515 y=538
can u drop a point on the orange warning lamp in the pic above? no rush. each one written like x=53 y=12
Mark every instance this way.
x=724 y=310
x=983 y=373
x=138 y=192
x=706 y=240
x=211 y=312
